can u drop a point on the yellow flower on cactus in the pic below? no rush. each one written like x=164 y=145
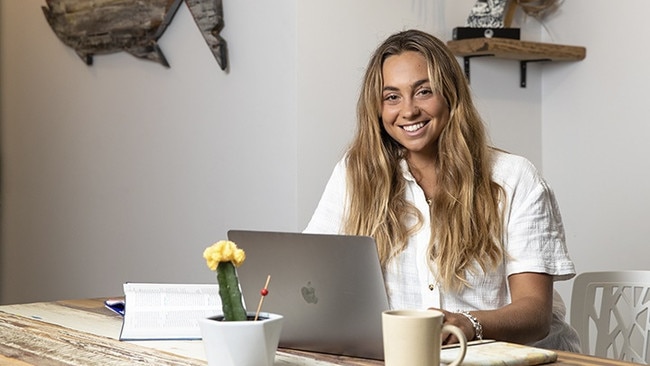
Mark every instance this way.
x=222 y=257
x=223 y=251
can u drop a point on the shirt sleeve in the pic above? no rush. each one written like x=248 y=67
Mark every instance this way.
x=329 y=214
x=535 y=238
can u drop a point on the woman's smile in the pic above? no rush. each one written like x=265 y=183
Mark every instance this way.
x=414 y=127
x=413 y=111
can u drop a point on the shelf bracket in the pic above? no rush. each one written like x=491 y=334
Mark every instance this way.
x=466 y=64
x=523 y=70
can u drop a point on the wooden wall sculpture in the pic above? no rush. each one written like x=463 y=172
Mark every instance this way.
x=95 y=27
x=208 y=15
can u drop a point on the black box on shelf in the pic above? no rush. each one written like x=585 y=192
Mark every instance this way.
x=476 y=32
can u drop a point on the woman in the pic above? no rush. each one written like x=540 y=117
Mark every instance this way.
x=460 y=226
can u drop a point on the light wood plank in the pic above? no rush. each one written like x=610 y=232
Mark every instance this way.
x=516 y=49
x=26 y=341
x=38 y=343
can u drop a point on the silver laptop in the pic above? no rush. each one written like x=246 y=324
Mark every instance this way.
x=329 y=288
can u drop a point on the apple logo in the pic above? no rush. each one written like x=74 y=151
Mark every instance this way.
x=309 y=293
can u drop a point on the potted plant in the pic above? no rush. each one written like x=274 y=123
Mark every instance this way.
x=237 y=337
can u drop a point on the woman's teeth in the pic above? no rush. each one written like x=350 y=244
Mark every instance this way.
x=413 y=128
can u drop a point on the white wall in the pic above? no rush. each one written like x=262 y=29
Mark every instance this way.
x=125 y=171
x=596 y=131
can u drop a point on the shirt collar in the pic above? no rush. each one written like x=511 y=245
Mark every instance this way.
x=406 y=172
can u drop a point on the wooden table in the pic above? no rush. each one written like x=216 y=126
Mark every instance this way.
x=84 y=332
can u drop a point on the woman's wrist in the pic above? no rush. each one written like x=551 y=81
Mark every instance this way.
x=478 y=328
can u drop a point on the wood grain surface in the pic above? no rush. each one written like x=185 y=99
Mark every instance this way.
x=33 y=342
x=516 y=49
x=29 y=337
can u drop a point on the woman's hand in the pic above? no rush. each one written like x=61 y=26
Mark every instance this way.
x=526 y=319
x=460 y=321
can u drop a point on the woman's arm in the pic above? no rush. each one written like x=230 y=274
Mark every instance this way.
x=526 y=319
x=328 y=216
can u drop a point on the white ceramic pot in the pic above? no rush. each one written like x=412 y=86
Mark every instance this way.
x=241 y=343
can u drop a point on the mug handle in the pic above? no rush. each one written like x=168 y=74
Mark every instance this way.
x=448 y=328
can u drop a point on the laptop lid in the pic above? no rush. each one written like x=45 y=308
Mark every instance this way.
x=329 y=288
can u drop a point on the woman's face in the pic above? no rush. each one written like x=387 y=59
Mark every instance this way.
x=412 y=113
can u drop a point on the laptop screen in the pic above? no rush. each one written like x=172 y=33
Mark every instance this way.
x=329 y=288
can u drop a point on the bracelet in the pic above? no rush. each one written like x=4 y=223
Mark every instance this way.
x=478 y=328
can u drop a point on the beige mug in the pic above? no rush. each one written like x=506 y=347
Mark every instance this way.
x=413 y=337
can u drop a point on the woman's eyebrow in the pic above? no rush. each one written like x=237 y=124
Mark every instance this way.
x=413 y=86
x=420 y=82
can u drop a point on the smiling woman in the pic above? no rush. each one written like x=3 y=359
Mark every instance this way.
x=413 y=113
x=460 y=226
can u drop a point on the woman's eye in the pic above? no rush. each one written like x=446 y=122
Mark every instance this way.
x=424 y=92
x=391 y=98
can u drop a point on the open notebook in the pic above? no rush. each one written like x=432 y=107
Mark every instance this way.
x=491 y=353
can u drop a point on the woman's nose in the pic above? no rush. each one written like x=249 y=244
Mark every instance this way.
x=410 y=110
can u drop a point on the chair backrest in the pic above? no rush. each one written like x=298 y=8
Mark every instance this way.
x=611 y=313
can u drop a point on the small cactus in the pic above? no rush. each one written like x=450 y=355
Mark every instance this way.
x=223 y=257
x=231 y=302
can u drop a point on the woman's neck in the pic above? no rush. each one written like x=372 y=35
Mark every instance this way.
x=425 y=174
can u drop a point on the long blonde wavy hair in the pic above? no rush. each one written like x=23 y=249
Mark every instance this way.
x=466 y=219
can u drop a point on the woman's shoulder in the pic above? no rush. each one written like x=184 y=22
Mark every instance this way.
x=512 y=168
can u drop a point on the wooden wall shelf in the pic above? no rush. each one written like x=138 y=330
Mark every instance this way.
x=512 y=49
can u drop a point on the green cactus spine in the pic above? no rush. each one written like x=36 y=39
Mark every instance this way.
x=231 y=299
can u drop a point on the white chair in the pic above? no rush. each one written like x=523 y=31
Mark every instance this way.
x=611 y=313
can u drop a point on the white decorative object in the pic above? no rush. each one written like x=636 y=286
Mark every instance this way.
x=487 y=14
x=241 y=343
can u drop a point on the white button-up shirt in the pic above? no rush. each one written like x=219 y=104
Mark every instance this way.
x=534 y=242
